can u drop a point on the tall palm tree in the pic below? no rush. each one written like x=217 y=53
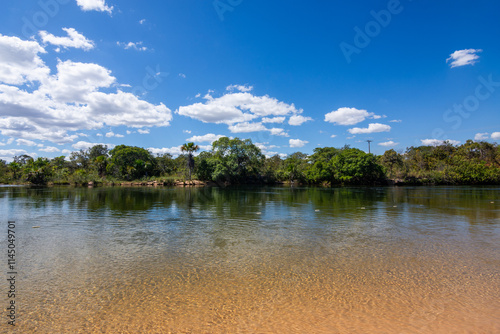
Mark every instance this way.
x=190 y=148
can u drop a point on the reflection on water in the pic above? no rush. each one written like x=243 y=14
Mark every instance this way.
x=257 y=260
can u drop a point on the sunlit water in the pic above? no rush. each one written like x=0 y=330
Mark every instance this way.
x=255 y=260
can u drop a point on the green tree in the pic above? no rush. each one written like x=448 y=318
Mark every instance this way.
x=320 y=169
x=356 y=167
x=236 y=160
x=130 y=162
x=295 y=166
x=190 y=148
x=393 y=162
x=165 y=164
x=38 y=171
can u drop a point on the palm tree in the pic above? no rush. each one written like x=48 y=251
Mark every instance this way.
x=190 y=148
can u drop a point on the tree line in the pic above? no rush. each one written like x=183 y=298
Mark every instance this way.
x=237 y=161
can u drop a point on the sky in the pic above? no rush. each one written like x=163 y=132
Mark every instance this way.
x=289 y=75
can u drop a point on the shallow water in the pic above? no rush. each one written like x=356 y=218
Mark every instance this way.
x=255 y=260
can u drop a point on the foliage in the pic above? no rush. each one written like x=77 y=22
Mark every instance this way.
x=130 y=162
x=190 y=148
x=238 y=161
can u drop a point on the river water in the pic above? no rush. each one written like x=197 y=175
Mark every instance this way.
x=254 y=260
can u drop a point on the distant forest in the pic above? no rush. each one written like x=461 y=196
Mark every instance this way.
x=236 y=161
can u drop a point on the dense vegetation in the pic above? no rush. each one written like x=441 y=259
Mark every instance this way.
x=236 y=161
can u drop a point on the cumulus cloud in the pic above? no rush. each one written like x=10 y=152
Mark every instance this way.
x=25 y=142
x=395 y=121
x=297 y=143
x=50 y=149
x=437 y=142
x=83 y=145
x=389 y=144
x=247 y=127
x=333 y=136
x=463 y=57
x=143 y=132
x=297 y=120
x=69 y=100
x=348 y=116
x=20 y=62
x=482 y=136
x=278 y=132
x=112 y=134
x=209 y=137
x=372 y=128
x=8 y=155
x=273 y=120
x=175 y=151
x=241 y=88
x=241 y=111
x=495 y=136
x=73 y=40
x=97 y=5
x=131 y=45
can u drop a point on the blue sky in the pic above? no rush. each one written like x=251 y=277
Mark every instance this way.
x=290 y=75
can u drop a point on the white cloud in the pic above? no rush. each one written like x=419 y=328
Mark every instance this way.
x=19 y=61
x=395 y=121
x=8 y=155
x=66 y=151
x=241 y=88
x=131 y=45
x=50 y=149
x=297 y=120
x=372 y=128
x=333 y=136
x=297 y=143
x=186 y=131
x=74 y=40
x=278 y=132
x=247 y=127
x=112 y=134
x=389 y=144
x=143 y=132
x=437 y=142
x=98 y=5
x=463 y=57
x=175 y=151
x=482 y=136
x=273 y=120
x=68 y=101
x=238 y=107
x=348 y=116
x=25 y=142
x=83 y=145
x=142 y=21
x=495 y=136
x=182 y=75
x=209 y=137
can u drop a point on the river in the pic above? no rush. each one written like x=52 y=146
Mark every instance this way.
x=254 y=260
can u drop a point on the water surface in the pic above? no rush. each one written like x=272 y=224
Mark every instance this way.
x=256 y=260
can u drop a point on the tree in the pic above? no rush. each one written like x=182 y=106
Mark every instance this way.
x=236 y=160
x=38 y=171
x=165 y=164
x=15 y=168
x=392 y=160
x=296 y=166
x=321 y=169
x=190 y=148
x=357 y=167
x=130 y=162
